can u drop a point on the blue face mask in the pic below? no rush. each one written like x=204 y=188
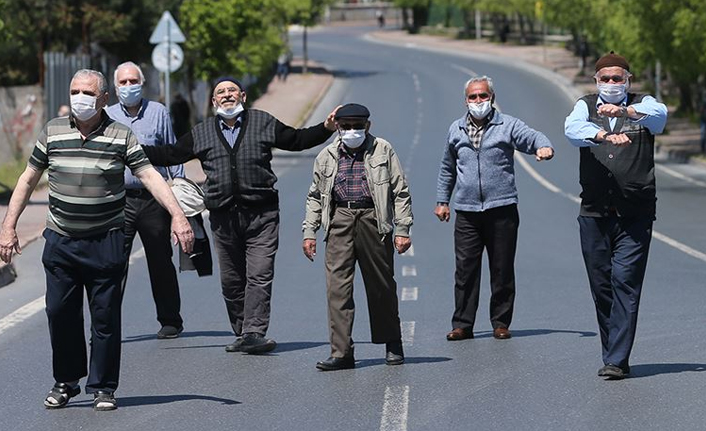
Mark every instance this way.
x=130 y=95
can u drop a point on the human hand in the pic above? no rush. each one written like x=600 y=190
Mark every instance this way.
x=9 y=243
x=617 y=139
x=610 y=110
x=544 y=153
x=330 y=122
x=443 y=213
x=309 y=248
x=402 y=243
x=182 y=233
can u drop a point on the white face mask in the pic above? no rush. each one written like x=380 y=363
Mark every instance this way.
x=83 y=106
x=229 y=113
x=613 y=93
x=480 y=110
x=130 y=95
x=352 y=138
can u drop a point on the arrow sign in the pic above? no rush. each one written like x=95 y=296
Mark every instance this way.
x=167 y=30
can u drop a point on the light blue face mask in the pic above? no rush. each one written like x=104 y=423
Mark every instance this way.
x=130 y=95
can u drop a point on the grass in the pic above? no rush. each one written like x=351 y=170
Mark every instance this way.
x=9 y=172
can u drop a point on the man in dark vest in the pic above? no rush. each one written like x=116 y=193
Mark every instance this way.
x=615 y=130
x=235 y=150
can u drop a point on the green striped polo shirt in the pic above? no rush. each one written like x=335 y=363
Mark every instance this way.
x=86 y=182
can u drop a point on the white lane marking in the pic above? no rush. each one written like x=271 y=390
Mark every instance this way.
x=409 y=294
x=417 y=124
x=657 y=235
x=407 y=329
x=409 y=271
x=21 y=314
x=395 y=409
x=30 y=309
x=681 y=176
x=463 y=69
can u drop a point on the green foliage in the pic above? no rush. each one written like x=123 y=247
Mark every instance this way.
x=10 y=171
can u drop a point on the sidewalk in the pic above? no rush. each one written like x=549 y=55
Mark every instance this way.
x=680 y=140
x=290 y=101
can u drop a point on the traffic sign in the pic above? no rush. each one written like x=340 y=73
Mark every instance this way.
x=167 y=57
x=167 y=30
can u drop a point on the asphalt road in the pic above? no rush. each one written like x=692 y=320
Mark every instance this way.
x=542 y=379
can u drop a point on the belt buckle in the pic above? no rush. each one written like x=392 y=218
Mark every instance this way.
x=348 y=204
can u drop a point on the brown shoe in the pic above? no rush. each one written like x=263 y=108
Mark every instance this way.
x=502 y=333
x=459 y=334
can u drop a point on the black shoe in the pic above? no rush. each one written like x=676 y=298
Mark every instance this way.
x=612 y=372
x=334 y=364
x=104 y=401
x=235 y=346
x=394 y=353
x=60 y=395
x=257 y=344
x=168 y=331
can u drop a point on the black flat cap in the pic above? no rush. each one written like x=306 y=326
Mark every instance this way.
x=228 y=79
x=352 y=110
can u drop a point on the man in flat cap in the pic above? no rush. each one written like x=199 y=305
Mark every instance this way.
x=614 y=130
x=235 y=150
x=360 y=198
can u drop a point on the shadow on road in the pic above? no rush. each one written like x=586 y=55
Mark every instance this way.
x=646 y=370
x=298 y=345
x=516 y=333
x=407 y=360
x=146 y=337
x=149 y=400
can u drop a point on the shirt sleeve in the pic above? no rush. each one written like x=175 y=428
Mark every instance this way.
x=39 y=160
x=528 y=140
x=135 y=157
x=447 y=173
x=654 y=114
x=578 y=129
x=291 y=139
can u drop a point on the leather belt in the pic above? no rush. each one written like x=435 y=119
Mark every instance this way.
x=355 y=204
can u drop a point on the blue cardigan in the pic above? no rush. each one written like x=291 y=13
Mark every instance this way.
x=484 y=178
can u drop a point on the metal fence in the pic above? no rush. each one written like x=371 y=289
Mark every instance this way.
x=59 y=69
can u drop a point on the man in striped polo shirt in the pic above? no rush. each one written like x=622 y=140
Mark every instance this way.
x=85 y=155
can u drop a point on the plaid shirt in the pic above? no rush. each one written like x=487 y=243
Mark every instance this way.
x=351 y=183
x=475 y=133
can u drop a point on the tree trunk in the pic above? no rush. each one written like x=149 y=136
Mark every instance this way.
x=686 y=100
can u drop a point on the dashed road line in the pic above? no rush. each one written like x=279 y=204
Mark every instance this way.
x=409 y=294
x=395 y=409
x=407 y=329
x=409 y=271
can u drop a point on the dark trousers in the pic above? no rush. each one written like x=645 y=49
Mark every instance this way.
x=144 y=215
x=615 y=252
x=353 y=236
x=96 y=265
x=246 y=242
x=496 y=231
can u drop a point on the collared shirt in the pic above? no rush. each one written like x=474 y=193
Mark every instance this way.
x=152 y=126
x=580 y=131
x=86 y=189
x=230 y=133
x=475 y=133
x=351 y=183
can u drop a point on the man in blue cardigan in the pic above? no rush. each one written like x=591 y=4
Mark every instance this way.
x=478 y=165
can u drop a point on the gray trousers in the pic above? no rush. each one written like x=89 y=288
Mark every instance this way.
x=246 y=242
x=353 y=236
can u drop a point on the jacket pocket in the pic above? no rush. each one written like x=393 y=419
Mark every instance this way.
x=379 y=170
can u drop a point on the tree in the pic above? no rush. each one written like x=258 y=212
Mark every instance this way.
x=420 y=12
x=306 y=13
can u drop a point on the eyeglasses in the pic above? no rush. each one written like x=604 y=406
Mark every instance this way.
x=479 y=96
x=351 y=126
x=614 y=78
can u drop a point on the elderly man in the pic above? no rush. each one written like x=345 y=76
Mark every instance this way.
x=478 y=168
x=150 y=123
x=86 y=154
x=361 y=199
x=615 y=132
x=235 y=150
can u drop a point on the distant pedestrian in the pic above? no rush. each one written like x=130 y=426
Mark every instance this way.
x=181 y=115
x=151 y=124
x=702 y=118
x=64 y=111
x=283 y=66
x=85 y=155
x=235 y=150
x=360 y=198
x=478 y=169
x=380 y=15
x=615 y=132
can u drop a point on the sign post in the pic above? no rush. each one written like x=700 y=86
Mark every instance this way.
x=167 y=56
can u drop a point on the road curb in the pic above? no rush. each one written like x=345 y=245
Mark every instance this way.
x=303 y=118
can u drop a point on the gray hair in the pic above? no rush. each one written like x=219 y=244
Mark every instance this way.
x=483 y=78
x=102 y=82
x=124 y=65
